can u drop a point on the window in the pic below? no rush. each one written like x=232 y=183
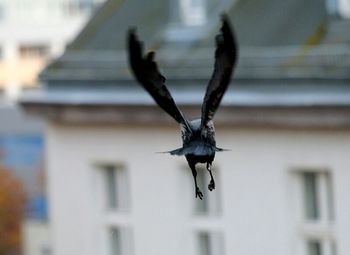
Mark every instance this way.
x=119 y=241
x=311 y=203
x=115 y=182
x=111 y=187
x=209 y=243
x=112 y=205
x=211 y=203
x=2 y=11
x=318 y=196
x=32 y=51
x=204 y=244
x=193 y=12
x=319 y=246
x=316 y=212
x=343 y=6
x=115 y=241
x=189 y=19
x=314 y=247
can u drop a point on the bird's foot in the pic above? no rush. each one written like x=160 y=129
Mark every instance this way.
x=211 y=185
x=199 y=193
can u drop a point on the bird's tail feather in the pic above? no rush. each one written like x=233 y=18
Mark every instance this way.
x=196 y=150
x=177 y=152
x=221 y=149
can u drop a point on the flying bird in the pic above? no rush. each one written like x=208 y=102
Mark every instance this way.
x=198 y=135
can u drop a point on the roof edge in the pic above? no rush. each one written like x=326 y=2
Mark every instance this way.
x=271 y=117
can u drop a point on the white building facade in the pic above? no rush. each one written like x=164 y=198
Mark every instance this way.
x=279 y=191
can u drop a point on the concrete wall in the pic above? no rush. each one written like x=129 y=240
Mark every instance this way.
x=259 y=212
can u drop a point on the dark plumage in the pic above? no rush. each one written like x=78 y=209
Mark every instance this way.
x=198 y=135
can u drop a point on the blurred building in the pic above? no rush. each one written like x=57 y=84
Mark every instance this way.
x=31 y=33
x=284 y=186
x=22 y=152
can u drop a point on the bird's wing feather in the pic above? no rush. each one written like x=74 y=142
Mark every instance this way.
x=146 y=72
x=225 y=60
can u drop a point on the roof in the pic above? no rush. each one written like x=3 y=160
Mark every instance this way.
x=106 y=29
x=287 y=58
x=269 y=22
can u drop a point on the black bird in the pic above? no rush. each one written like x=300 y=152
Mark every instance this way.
x=198 y=135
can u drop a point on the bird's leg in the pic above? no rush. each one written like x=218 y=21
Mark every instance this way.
x=194 y=173
x=211 y=184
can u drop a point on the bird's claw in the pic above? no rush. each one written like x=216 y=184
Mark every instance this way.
x=199 y=193
x=211 y=185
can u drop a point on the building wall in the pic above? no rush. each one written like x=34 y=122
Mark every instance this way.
x=257 y=201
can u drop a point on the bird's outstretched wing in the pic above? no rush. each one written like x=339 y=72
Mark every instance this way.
x=225 y=60
x=146 y=72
